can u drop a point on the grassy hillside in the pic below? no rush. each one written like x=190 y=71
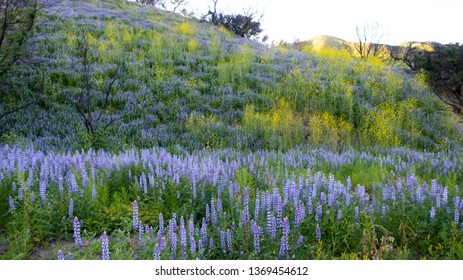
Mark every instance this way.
x=216 y=147
x=183 y=82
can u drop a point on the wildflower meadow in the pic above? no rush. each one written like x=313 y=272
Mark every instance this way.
x=196 y=144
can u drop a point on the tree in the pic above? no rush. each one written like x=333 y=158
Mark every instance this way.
x=444 y=68
x=368 y=43
x=17 y=21
x=175 y=5
x=152 y=2
x=409 y=55
x=178 y=4
x=93 y=98
x=243 y=25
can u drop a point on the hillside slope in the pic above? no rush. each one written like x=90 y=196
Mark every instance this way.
x=176 y=81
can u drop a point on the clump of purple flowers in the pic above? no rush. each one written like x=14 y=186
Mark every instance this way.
x=11 y=202
x=318 y=233
x=104 y=246
x=135 y=215
x=77 y=237
x=60 y=255
x=71 y=209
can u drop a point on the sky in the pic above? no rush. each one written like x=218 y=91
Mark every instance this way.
x=400 y=20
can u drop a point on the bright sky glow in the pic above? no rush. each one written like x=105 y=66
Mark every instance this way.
x=402 y=20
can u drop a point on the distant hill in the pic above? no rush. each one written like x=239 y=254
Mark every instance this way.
x=321 y=42
x=426 y=46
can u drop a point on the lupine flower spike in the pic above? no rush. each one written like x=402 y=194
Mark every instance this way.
x=105 y=246
x=60 y=255
x=77 y=237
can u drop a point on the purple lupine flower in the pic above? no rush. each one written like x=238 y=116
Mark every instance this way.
x=322 y=197
x=219 y=206
x=433 y=214
x=421 y=194
x=157 y=252
x=445 y=196
x=271 y=225
x=94 y=193
x=279 y=210
x=330 y=200
x=300 y=215
x=356 y=214
x=11 y=202
x=213 y=212
x=319 y=212
x=283 y=247
x=245 y=213
x=203 y=232
x=183 y=238
x=298 y=243
x=163 y=243
x=285 y=226
x=60 y=185
x=211 y=244
x=383 y=211
x=13 y=186
x=71 y=209
x=208 y=212
x=191 y=227
x=318 y=233
x=385 y=193
x=229 y=240
x=456 y=201
x=43 y=191
x=73 y=183
x=284 y=239
x=339 y=217
x=456 y=218
x=200 y=246
x=104 y=246
x=222 y=241
x=32 y=198
x=309 y=206
x=373 y=200
x=69 y=257
x=141 y=233
x=192 y=246
x=256 y=235
x=411 y=181
x=393 y=195
x=257 y=205
x=135 y=215
x=438 y=202
x=77 y=237
x=269 y=220
x=149 y=231
x=60 y=255
x=173 y=235
x=161 y=224
x=194 y=192
x=433 y=193
x=20 y=194
x=348 y=198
